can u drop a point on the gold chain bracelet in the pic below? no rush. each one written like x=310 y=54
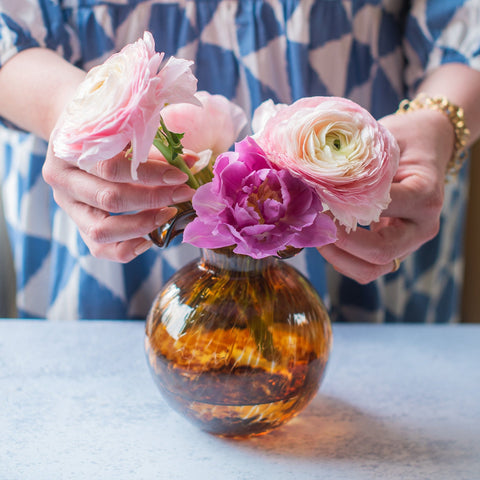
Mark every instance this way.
x=454 y=114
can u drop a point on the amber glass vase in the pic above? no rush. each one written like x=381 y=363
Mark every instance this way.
x=237 y=345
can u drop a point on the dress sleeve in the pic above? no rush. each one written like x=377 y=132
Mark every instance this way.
x=35 y=23
x=439 y=32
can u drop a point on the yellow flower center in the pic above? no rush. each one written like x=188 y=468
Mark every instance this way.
x=263 y=193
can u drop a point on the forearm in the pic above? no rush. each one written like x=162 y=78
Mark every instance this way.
x=461 y=85
x=35 y=86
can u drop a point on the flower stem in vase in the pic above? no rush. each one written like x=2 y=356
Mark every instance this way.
x=237 y=345
x=170 y=146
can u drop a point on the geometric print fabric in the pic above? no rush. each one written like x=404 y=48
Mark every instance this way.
x=374 y=52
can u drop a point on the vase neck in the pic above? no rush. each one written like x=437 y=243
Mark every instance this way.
x=225 y=259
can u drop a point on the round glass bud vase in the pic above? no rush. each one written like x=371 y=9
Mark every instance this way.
x=237 y=345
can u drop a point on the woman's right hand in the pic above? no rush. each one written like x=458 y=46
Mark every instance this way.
x=113 y=212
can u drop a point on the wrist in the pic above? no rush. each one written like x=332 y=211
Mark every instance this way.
x=35 y=86
x=454 y=115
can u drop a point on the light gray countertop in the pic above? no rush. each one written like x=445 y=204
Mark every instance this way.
x=398 y=402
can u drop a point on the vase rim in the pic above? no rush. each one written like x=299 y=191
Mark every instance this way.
x=226 y=259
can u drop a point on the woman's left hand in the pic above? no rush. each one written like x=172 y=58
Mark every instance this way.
x=426 y=141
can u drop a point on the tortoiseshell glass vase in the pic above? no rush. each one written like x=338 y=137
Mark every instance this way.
x=238 y=346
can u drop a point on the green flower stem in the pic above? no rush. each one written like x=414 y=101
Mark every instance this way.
x=204 y=176
x=179 y=162
x=170 y=146
x=251 y=290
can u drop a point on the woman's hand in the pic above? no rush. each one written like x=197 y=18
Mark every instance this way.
x=114 y=213
x=426 y=141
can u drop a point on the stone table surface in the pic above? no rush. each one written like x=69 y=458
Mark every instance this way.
x=398 y=402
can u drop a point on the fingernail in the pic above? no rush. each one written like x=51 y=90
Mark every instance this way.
x=174 y=176
x=182 y=194
x=164 y=215
x=142 y=247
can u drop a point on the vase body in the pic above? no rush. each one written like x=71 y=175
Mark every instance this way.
x=237 y=345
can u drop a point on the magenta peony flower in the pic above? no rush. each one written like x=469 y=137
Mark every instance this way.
x=119 y=102
x=336 y=146
x=259 y=208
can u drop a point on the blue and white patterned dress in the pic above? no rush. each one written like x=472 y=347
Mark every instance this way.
x=372 y=51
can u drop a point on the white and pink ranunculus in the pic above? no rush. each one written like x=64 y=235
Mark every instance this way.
x=336 y=146
x=119 y=102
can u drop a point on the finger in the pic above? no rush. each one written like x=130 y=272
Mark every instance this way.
x=152 y=172
x=100 y=227
x=120 y=197
x=392 y=238
x=122 y=252
x=415 y=198
x=353 y=267
x=403 y=202
x=119 y=228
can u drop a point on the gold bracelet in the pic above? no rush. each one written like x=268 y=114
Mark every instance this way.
x=454 y=114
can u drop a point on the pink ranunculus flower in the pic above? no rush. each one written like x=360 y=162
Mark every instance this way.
x=215 y=125
x=337 y=147
x=256 y=206
x=119 y=102
x=263 y=113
